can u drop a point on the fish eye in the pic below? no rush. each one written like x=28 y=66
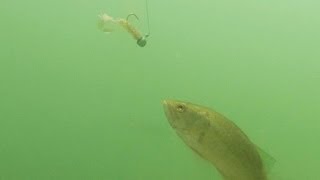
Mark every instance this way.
x=181 y=108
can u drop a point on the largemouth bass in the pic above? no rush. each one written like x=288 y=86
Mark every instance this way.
x=216 y=139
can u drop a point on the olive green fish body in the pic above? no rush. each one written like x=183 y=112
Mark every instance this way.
x=216 y=139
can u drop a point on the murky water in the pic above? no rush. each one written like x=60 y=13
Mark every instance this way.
x=76 y=103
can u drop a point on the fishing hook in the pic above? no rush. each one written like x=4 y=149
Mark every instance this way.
x=132 y=14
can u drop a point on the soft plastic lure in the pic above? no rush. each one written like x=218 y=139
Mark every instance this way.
x=108 y=24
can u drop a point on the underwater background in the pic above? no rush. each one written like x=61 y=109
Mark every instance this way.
x=77 y=103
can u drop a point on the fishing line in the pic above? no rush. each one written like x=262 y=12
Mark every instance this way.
x=148 y=22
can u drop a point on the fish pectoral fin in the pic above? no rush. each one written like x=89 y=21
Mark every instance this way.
x=268 y=160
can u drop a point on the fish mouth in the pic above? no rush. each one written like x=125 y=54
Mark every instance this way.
x=166 y=107
x=169 y=107
x=168 y=110
x=168 y=103
x=165 y=102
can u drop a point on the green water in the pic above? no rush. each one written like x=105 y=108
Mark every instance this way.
x=77 y=104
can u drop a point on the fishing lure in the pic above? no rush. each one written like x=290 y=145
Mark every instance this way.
x=108 y=24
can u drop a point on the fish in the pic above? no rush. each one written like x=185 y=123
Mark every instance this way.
x=216 y=139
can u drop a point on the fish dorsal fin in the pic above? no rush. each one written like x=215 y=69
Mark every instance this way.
x=268 y=160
